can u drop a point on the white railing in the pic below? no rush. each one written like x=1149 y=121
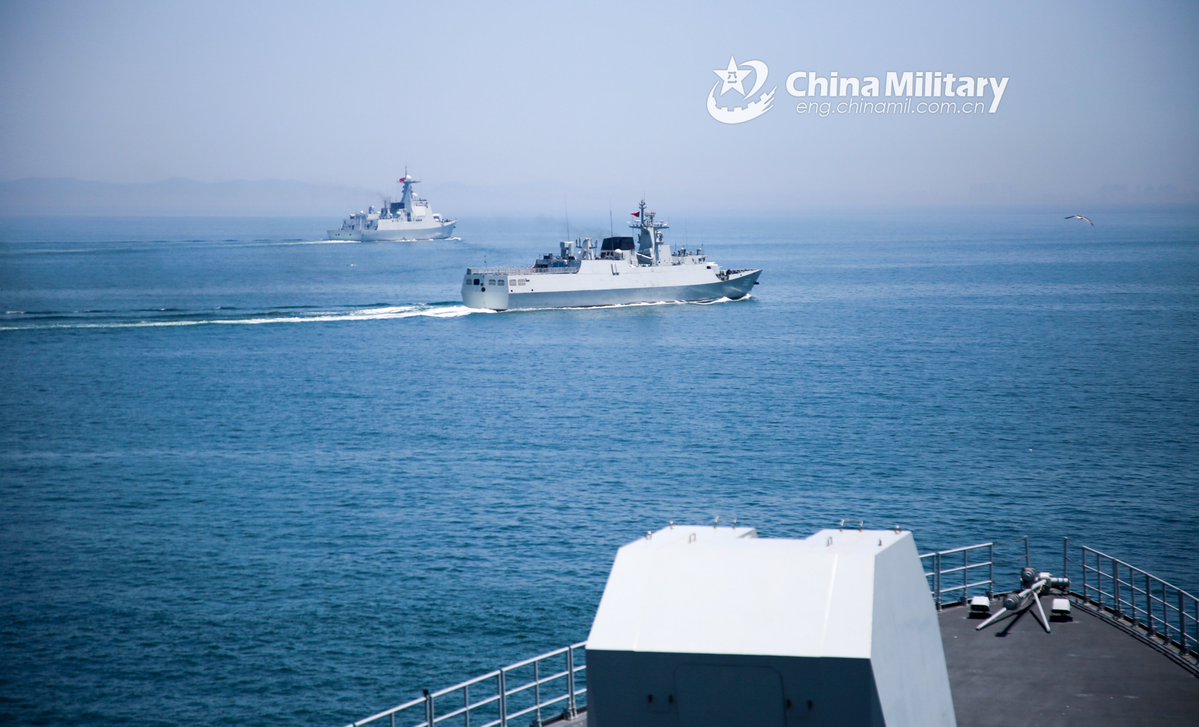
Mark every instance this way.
x=544 y=688
x=483 y=272
x=960 y=564
x=1141 y=599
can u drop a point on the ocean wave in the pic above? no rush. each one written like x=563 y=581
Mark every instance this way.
x=171 y=318
x=109 y=319
x=287 y=243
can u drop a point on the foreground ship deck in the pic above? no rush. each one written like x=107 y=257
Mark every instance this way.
x=1088 y=672
x=1126 y=653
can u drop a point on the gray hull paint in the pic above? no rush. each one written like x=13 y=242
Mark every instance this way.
x=414 y=234
x=734 y=288
x=430 y=233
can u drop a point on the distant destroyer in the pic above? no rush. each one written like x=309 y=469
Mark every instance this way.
x=622 y=271
x=409 y=219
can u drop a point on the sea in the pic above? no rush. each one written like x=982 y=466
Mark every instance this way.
x=247 y=474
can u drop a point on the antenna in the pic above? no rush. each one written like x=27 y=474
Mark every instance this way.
x=611 y=226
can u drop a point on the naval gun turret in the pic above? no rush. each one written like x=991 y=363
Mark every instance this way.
x=713 y=626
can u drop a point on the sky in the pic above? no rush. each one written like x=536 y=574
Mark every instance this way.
x=537 y=105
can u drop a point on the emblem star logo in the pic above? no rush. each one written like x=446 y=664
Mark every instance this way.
x=732 y=77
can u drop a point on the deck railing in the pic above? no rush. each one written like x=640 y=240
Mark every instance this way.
x=544 y=688
x=483 y=272
x=952 y=572
x=1165 y=611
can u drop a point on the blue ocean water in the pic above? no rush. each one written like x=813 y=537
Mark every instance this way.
x=245 y=475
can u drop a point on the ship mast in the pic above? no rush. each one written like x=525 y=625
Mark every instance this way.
x=406 y=195
x=649 y=236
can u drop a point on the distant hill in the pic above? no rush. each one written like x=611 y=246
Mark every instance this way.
x=179 y=197
x=575 y=200
x=267 y=198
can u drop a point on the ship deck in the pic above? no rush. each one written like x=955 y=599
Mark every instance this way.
x=1089 y=671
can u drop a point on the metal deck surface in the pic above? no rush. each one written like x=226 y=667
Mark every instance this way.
x=1087 y=672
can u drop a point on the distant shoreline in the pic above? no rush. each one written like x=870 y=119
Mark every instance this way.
x=69 y=197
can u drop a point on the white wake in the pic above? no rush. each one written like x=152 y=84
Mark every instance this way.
x=364 y=314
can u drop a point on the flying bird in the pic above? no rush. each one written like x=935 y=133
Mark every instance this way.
x=1084 y=218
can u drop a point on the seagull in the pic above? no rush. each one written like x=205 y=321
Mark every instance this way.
x=1084 y=218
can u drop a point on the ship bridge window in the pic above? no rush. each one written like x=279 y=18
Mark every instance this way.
x=476 y=281
x=611 y=244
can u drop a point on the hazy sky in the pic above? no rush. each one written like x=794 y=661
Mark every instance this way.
x=604 y=100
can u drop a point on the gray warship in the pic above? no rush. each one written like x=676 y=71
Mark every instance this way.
x=408 y=220
x=621 y=271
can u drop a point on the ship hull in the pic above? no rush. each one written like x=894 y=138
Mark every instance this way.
x=396 y=234
x=503 y=297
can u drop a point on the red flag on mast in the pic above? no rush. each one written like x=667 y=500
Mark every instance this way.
x=635 y=214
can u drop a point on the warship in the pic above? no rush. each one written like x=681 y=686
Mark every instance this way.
x=711 y=626
x=409 y=219
x=621 y=271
